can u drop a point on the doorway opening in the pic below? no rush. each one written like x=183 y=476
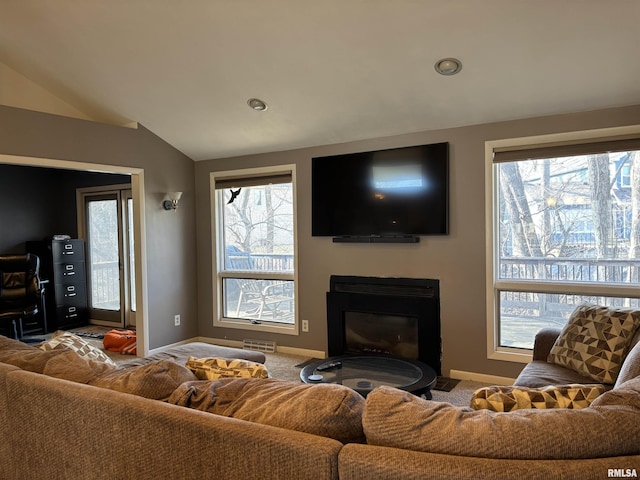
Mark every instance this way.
x=138 y=207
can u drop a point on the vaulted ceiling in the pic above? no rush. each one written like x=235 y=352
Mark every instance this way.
x=330 y=71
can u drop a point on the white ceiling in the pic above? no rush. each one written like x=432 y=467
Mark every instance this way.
x=331 y=70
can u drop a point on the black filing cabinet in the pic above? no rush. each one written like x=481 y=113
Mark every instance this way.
x=62 y=262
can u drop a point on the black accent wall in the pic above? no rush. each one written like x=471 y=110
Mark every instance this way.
x=37 y=202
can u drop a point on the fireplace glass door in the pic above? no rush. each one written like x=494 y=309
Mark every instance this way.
x=380 y=333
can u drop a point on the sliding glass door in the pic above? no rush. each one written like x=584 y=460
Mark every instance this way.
x=108 y=231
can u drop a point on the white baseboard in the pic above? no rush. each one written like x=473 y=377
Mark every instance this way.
x=481 y=377
x=302 y=352
x=220 y=341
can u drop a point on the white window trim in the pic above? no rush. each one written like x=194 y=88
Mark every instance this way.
x=494 y=351
x=218 y=256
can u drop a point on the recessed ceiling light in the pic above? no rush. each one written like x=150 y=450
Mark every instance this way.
x=448 y=66
x=257 y=104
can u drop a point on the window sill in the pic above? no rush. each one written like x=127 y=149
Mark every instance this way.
x=510 y=355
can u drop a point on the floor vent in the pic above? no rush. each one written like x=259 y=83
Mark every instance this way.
x=259 y=345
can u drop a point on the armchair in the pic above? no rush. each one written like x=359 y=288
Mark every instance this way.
x=541 y=373
x=21 y=294
x=597 y=350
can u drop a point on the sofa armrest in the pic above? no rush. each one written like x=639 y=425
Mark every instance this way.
x=543 y=342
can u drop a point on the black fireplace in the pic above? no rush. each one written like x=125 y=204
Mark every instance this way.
x=386 y=316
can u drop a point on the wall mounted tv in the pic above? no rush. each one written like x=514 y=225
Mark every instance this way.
x=392 y=195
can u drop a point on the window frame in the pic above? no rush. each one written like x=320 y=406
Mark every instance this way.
x=218 y=254
x=493 y=284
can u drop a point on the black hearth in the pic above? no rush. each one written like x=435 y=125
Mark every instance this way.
x=386 y=316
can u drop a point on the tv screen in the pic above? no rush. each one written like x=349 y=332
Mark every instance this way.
x=396 y=192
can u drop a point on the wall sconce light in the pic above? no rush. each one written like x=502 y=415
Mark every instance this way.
x=171 y=200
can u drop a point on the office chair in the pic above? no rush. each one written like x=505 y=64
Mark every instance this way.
x=21 y=293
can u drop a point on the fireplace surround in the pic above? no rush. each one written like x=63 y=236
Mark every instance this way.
x=386 y=316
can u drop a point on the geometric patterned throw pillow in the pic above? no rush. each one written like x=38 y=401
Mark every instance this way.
x=215 y=368
x=77 y=344
x=595 y=341
x=507 y=399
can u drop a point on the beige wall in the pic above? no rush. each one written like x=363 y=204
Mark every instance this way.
x=170 y=236
x=19 y=91
x=457 y=260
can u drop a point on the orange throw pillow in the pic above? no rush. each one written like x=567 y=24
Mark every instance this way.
x=120 y=341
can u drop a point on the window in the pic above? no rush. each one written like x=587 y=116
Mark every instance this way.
x=565 y=229
x=255 y=243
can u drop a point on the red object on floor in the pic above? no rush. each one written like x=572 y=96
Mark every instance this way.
x=120 y=341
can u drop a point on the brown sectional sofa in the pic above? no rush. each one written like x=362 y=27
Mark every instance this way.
x=54 y=428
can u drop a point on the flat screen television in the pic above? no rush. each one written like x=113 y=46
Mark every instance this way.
x=399 y=192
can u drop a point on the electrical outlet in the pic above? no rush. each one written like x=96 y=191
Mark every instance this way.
x=305 y=325
x=176 y=320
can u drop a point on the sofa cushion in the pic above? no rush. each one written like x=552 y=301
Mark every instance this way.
x=627 y=393
x=595 y=341
x=77 y=344
x=156 y=380
x=26 y=357
x=7 y=343
x=72 y=366
x=395 y=418
x=631 y=365
x=215 y=368
x=328 y=410
x=507 y=399
x=539 y=374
